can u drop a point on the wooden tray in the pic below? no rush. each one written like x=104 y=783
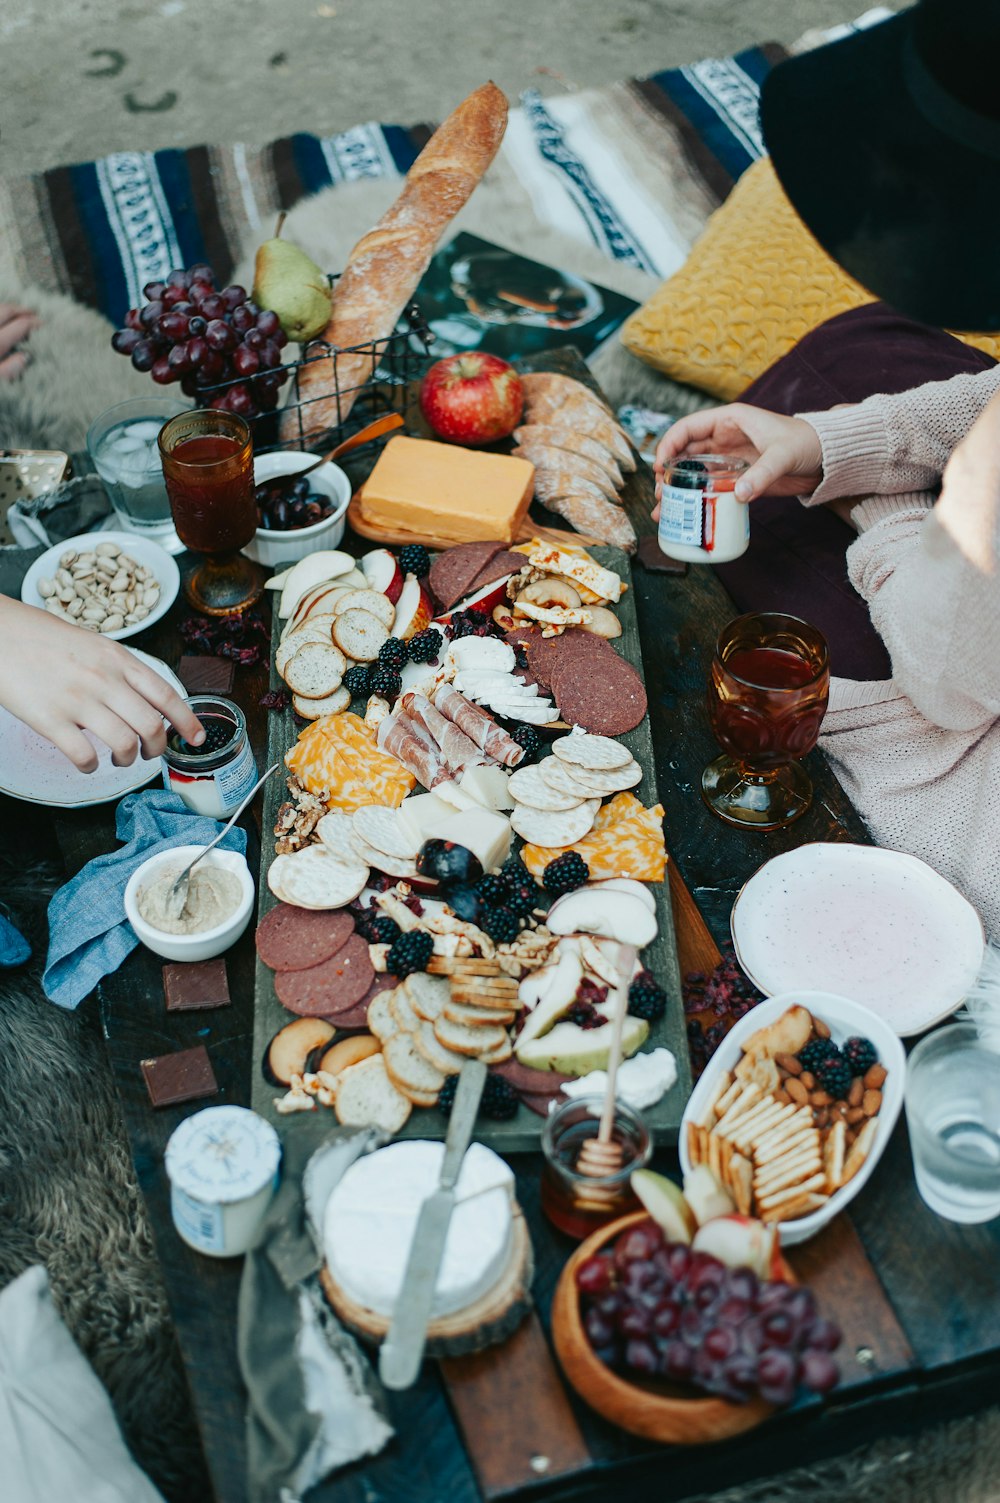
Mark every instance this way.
x=521 y=1133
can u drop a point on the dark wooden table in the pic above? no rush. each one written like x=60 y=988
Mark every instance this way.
x=917 y=1296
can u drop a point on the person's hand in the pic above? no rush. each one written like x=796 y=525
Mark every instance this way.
x=783 y=453
x=15 y=325
x=62 y=680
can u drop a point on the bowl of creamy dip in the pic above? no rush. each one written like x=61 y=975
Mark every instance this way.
x=217 y=909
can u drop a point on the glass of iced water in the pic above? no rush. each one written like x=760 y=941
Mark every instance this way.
x=123 y=450
x=953 y=1114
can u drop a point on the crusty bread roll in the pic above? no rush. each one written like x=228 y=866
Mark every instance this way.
x=385 y=266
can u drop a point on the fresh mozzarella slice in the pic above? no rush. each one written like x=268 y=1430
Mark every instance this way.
x=481 y=653
x=532 y=712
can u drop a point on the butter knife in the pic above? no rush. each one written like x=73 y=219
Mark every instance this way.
x=403 y=1348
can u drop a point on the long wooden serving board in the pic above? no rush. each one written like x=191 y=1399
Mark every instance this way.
x=521 y=1133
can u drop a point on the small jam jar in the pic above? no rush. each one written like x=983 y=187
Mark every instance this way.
x=579 y=1203
x=216 y=777
x=701 y=520
x=222 y=1164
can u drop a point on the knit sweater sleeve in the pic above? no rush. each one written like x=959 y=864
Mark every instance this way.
x=895 y=445
x=932 y=582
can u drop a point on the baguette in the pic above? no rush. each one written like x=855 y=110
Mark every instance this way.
x=385 y=266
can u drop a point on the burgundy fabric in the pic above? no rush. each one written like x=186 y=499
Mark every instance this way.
x=795 y=561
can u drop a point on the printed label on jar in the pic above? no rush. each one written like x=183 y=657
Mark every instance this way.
x=198 y=1223
x=682 y=516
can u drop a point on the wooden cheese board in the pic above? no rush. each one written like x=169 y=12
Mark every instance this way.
x=520 y=1133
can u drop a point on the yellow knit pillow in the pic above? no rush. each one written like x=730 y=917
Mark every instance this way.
x=755 y=282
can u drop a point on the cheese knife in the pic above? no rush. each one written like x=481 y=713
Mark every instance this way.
x=403 y=1348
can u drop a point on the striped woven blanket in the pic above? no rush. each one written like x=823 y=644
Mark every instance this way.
x=635 y=168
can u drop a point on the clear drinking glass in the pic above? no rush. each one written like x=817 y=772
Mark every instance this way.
x=952 y=1098
x=207 y=459
x=767 y=696
x=122 y=446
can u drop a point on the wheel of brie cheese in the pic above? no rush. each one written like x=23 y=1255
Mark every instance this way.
x=371 y=1216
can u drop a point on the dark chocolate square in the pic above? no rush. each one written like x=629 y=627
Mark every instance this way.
x=652 y=557
x=184 y=1076
x=197 y=983
x=206 y=675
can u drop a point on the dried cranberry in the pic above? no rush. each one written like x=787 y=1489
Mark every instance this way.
x=275 y=699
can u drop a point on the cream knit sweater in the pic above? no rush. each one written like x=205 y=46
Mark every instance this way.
x=919 y=754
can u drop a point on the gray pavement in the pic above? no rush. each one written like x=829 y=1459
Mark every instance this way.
x=79 y=78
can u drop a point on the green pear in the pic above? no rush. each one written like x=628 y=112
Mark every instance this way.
x=665 y=1203
x=573 y=1050
x=290 y=283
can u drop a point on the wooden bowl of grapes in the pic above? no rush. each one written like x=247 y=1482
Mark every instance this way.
x=672 y=1346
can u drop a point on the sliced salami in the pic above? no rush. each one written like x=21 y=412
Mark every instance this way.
x=293 y=939
x=609 y=704
x=501 y=566
x=453 y=572
x=536 y=1082
x=357 y=1016
x=326 y=990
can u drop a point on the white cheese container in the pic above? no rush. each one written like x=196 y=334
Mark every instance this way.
x=222 y=1164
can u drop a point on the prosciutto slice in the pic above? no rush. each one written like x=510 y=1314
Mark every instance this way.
x=457 y=749
x=413 y=745
x=480 y=727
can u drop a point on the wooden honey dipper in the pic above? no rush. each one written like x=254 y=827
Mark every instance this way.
x=602 y=1156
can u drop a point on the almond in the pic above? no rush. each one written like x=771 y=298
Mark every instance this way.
x=855 y=1114
x=870 y=1103
x=821 y=1098
x=875 y=1077
x=796 y=1091
x=808 y=1080
x=822 y=1029
x=788 y=1063
x=856 y=1092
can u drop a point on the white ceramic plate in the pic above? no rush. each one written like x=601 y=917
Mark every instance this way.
x=845 y=1019
x=143 y=550
x=874 y=925
x=31 y=768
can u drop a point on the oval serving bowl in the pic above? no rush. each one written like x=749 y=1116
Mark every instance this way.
x=650 y=1408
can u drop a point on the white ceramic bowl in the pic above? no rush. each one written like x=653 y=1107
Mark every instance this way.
x=276 y=549
x=210 y=942
x=845 y=1019
x=143 y=550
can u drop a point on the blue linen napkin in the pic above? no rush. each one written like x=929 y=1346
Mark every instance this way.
x=14 y=948
x=89 y=935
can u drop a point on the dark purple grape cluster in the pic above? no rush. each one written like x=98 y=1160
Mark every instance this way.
x=286 y=508
x=658 y=1309
x=713 y=1002
x=201 y=336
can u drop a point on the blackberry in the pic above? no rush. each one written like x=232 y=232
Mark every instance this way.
x=860 y=1054
x=446 y=1095
x=515 y=870
x=815 y=1051
x=384 y=930
x=565 y=873
x=524 y=898
x=414 y=559
x=528 y=737
x=494 y=891
x=385 y=682
x=499 y=1099
x=834 y=1075
x=646 y=998
x=393 y=653
x=425 y=646
x=410 y=953
x=357 y=679
x=501 y=924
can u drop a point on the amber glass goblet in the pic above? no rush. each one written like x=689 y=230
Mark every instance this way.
x=767 y=695
x=207 y=459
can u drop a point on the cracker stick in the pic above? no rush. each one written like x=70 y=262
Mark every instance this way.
x=779 y=1197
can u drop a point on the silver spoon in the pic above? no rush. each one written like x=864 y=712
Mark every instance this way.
x=176 y=897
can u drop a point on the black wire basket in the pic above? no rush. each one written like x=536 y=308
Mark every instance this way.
x=390 y=365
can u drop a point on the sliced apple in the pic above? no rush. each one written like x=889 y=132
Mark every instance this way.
x=277 y=581
x=627 y=884
x=666 y=1203
x=382 y=571
x=327 y=563
x=576 y=1051
x=549 y=592
x=318 y=600
x=706 y=1196
x=738 y=1242
x=535 y=984
x=616 y=915
x=289 y=1051
x=602 y=622
x=414 y=608
x=557 y=998
x=484 y=600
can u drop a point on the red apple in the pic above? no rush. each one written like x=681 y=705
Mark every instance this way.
x=414 y=609
x=472 y=398
x=382 y=571
x=484 y=600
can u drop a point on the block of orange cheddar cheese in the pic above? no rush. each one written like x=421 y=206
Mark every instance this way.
x=444 y=491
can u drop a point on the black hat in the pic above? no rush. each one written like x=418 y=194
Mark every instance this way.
x=888 y=145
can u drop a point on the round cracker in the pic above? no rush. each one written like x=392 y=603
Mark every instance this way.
x=314 y=661
x=359 y=634
x=334 y=830
x=323 y=991
x=373 y=601
x=562 y=778
x=380 y=826
x=393 y=866
x=293 y=939
x=592 y=753
x=315 y=878
x=315 y=709
x=540 y=828
x=614 y=780
x=528 y=786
